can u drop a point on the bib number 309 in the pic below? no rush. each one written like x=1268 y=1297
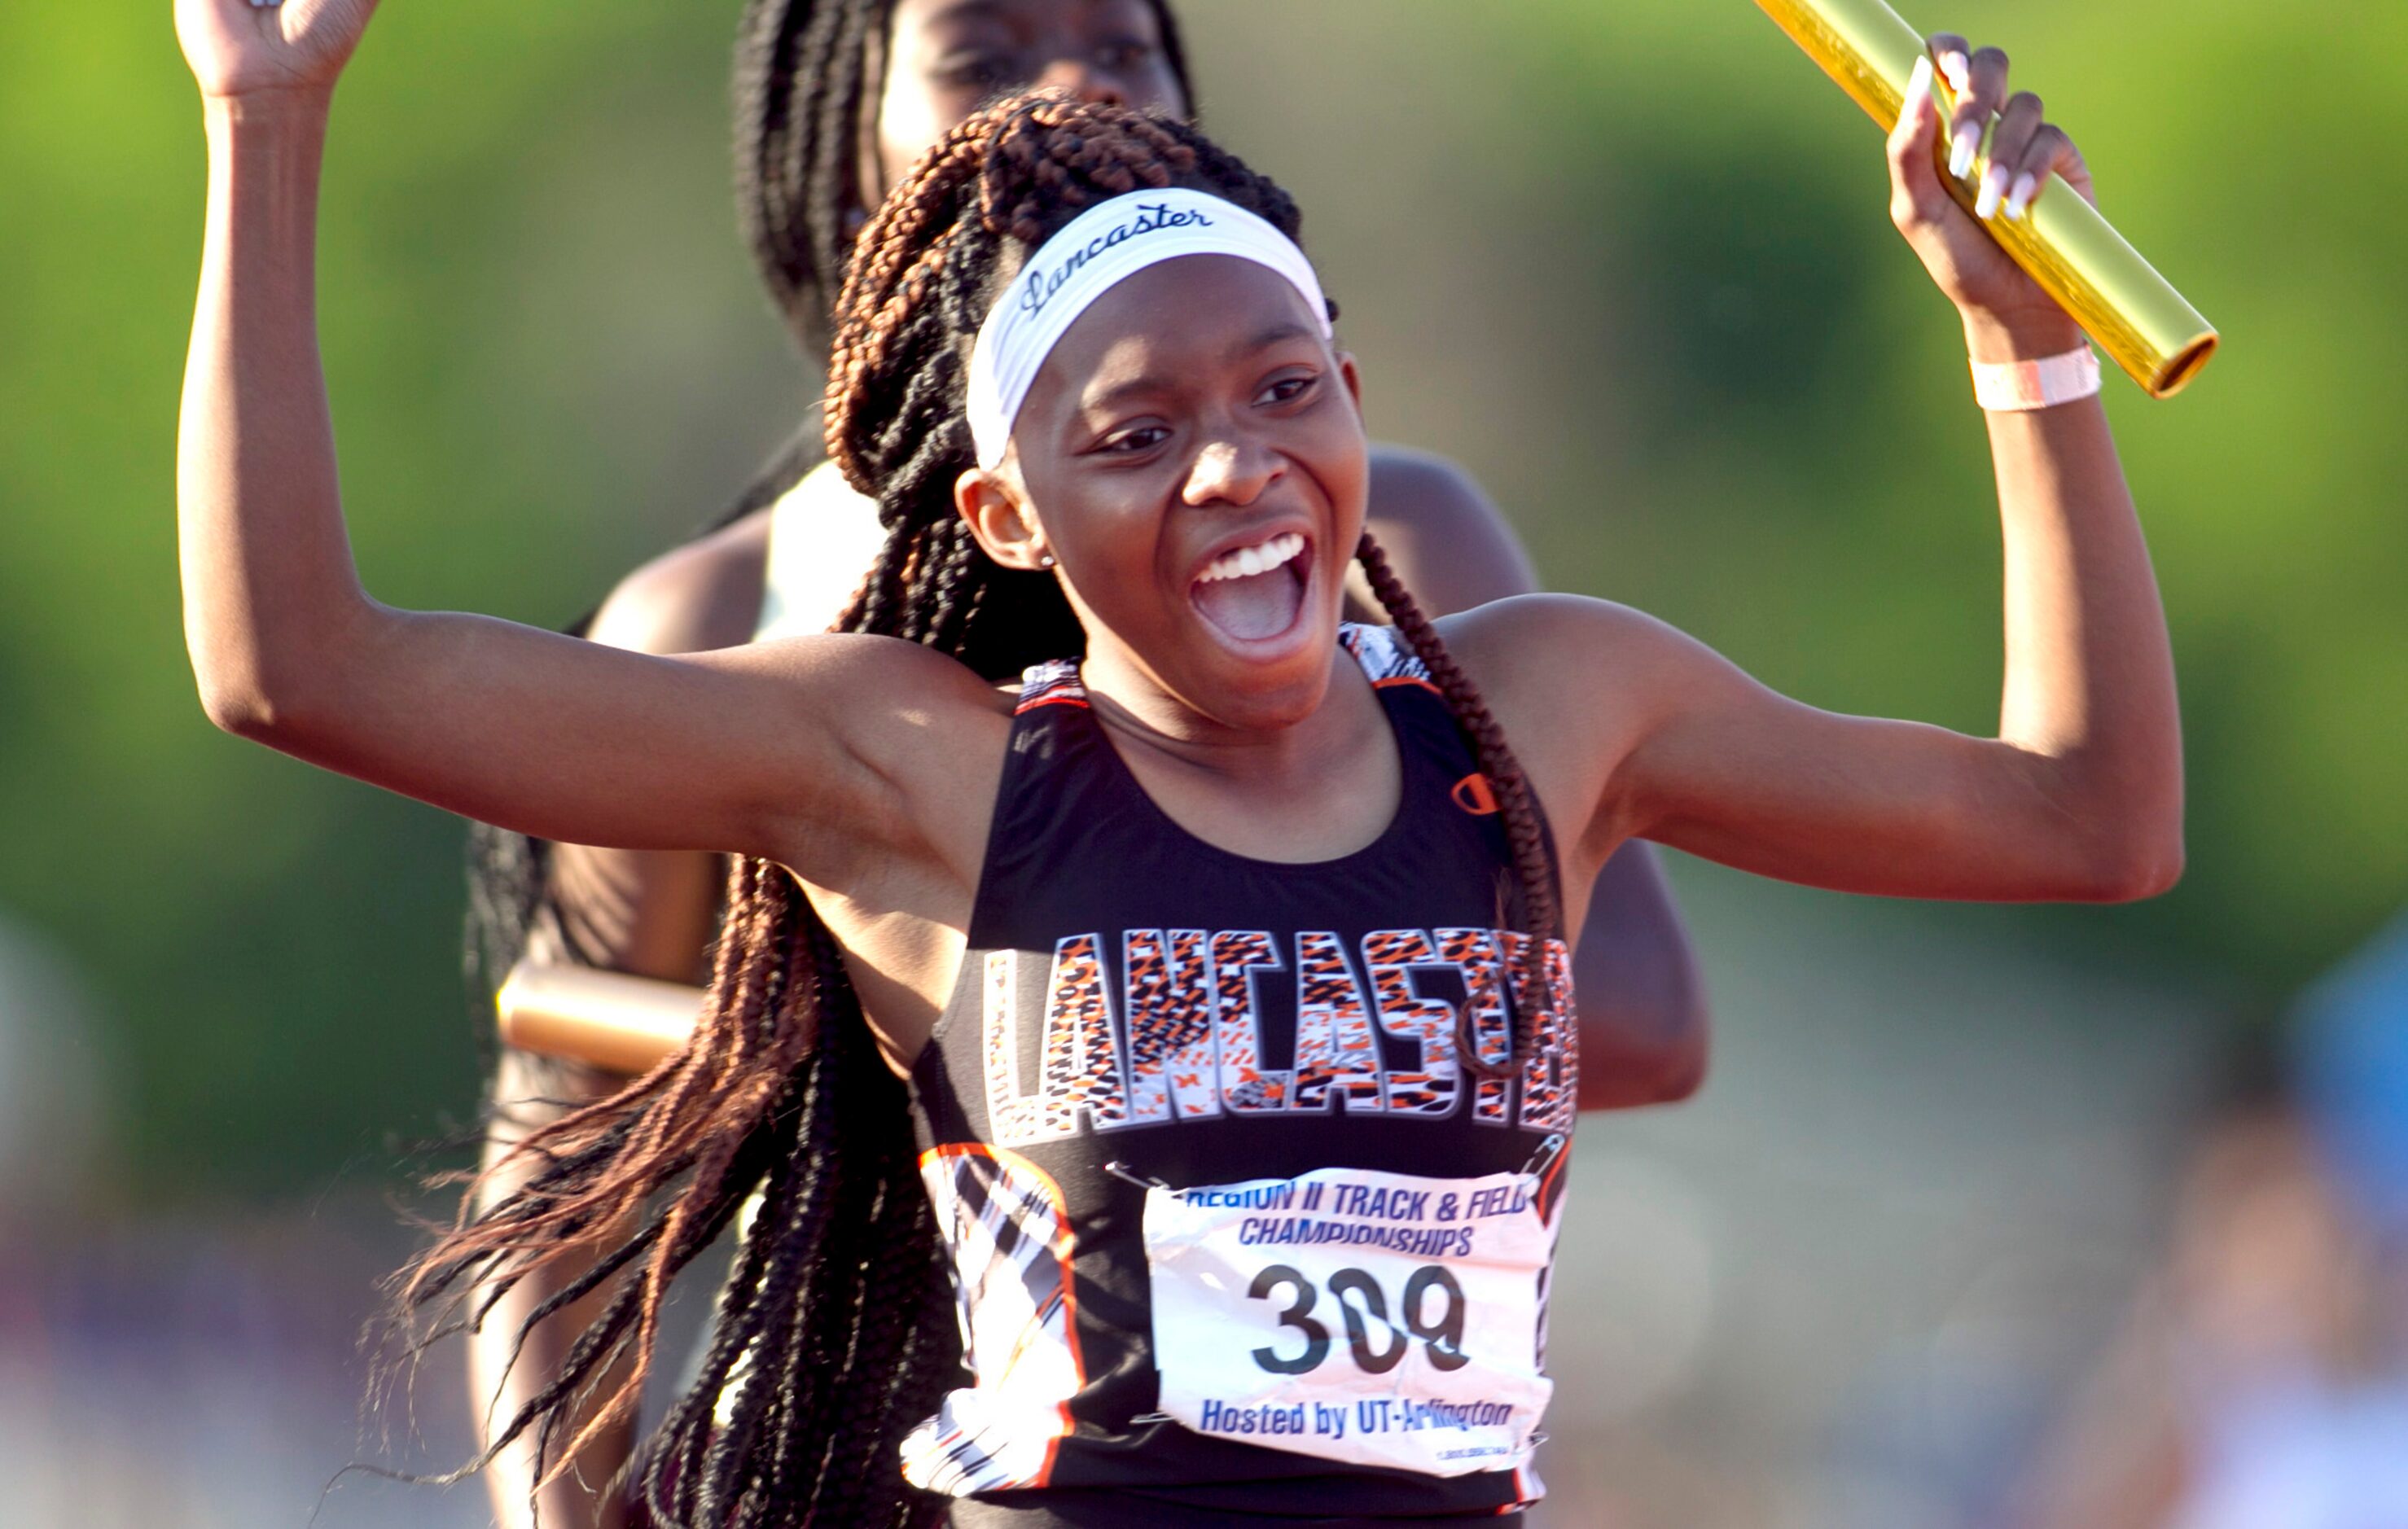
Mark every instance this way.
x=1375 y=1318
x=1358 y=1296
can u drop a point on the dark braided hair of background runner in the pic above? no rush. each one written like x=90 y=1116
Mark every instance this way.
x=808 y=76
x=836 y=1331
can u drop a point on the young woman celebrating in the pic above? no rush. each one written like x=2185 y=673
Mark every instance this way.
x=834 y=101
x=1225 y=965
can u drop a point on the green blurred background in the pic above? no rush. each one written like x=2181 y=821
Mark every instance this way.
x=1623 y=260
x=1629 y=262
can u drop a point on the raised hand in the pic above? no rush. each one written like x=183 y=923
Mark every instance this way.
x=237 y=48
x=1968 y=265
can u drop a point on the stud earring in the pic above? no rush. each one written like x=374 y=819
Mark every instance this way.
x=1045 y=559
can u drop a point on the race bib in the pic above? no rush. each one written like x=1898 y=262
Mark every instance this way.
x=1380 y=1319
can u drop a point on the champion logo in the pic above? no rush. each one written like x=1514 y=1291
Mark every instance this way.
x=1475 y=795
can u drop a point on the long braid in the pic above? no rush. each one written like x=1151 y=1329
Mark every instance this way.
x=1540 y=914
x=797 y=179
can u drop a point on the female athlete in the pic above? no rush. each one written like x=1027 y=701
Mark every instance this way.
x=834 y=101
x=1225 y=965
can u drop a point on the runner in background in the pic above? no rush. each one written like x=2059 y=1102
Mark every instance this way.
x=835 y=99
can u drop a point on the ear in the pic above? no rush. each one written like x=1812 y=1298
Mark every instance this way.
x=1354 y=376
x=998 y=516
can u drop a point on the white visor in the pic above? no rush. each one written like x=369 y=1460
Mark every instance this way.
x=1102 y=248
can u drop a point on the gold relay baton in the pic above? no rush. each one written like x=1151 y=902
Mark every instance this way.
x=2075 y=255
x=607 y=1020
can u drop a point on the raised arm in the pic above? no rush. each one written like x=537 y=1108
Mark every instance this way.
x=536 y=731
x=2079 y=794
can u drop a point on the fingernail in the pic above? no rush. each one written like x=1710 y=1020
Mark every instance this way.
x=2020 y=199
x=1968 y=144
x=1994 y=186
x=1918 y=89
x=1957 y=69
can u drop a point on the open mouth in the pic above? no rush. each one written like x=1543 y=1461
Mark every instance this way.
x=1252 y=593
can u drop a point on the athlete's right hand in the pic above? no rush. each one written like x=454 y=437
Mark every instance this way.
x=237 y=49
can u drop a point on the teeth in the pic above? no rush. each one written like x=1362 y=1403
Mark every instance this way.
x=1246 y=561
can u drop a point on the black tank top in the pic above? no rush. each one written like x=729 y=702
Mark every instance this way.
x=1230 y=1226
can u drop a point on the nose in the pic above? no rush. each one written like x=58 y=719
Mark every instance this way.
x=1231 y=471
x=1085 y=81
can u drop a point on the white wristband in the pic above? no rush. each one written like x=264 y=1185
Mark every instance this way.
x=2014 y=386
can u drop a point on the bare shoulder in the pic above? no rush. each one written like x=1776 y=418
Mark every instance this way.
x=1587 y=673
x=704 y=594
x=909 y=745
x=1448 y=541
x=907 y=710
x=1529 y=638
x=1576 y=685
x=906 y=677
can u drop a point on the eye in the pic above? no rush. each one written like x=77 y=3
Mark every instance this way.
x=981 y=70
x=1126 y=55
x=1287 y=389
x=1134 y=441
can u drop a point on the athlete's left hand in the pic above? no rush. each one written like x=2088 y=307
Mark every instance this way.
x=1989 y=289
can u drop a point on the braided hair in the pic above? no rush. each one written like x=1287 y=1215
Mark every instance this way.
x=835 y=1333
x=806 y=83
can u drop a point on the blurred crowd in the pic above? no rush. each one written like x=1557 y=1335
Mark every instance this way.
x=2260 y=1379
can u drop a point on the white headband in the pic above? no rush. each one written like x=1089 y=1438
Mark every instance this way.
x=1102 y=248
